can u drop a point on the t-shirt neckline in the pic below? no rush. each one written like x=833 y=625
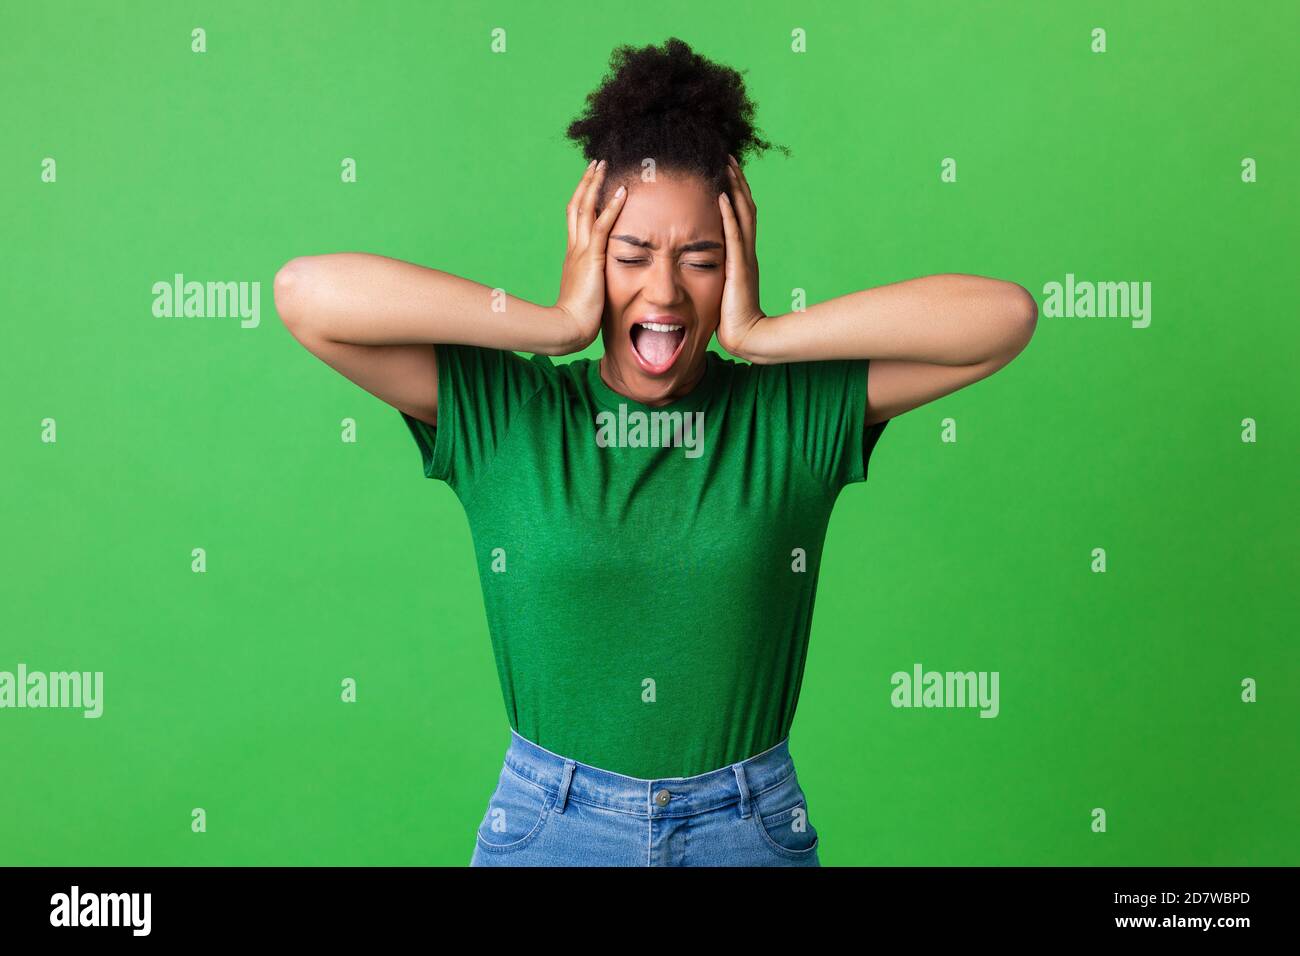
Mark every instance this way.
x=697 y=396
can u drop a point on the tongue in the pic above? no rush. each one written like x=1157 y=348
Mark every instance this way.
x=656 y=347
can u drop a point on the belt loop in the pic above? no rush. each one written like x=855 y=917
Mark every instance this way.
x=565 y=779
x=743 y=784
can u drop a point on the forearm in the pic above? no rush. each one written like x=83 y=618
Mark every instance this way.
x=948 y=319
x=365 y=299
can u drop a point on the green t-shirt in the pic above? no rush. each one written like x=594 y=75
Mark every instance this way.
x=648 y=607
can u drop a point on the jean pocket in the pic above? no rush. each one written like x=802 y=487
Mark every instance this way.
x=781 y=817
x=516 y=813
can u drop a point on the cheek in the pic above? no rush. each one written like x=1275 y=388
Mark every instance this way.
x=617 y=286
x=715 y=298
x=619 y=291
x=706 y=290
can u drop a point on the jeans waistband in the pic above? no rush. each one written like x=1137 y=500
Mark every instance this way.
x=569 y=780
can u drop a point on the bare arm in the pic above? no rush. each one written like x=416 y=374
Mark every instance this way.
x=378 y=320
x=925 y=337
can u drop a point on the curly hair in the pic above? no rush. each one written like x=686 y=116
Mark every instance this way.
x=672 y=105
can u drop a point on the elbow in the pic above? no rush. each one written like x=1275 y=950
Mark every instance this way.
x=292 y=284
x=1024 y=314
x=1023 y=306
x=1021 y=311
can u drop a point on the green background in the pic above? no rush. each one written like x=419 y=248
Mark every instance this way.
x=329 y=560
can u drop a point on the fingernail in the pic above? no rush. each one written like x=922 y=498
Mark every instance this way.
x=590 y=164
x=619 y=192
x=601 y=164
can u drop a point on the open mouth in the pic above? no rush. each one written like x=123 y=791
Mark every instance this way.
x=657 y=344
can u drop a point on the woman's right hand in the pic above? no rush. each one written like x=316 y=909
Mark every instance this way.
x=582 y=286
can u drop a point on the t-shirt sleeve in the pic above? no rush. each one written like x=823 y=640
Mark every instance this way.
x=824 y=407
x=480 y=392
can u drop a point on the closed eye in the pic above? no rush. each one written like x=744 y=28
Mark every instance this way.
x=698 y=265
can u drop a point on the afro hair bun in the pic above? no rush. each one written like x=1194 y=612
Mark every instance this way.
x=671 y=105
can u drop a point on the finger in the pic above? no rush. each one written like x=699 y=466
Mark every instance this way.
x=574 y=200
x=735 y=243
x=605 y=221
x=745 y=204
x=586 y=209
x=744 y=183
x=743 y=208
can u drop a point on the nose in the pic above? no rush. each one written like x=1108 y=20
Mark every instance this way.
x=662 y=287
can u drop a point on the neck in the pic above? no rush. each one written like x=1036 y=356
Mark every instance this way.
x=612 y=376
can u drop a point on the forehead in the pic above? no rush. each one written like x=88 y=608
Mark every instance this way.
x=671 y=208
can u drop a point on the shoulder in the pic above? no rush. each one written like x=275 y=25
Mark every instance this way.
x=485 y=360
x=793 y=379
x=574 y=373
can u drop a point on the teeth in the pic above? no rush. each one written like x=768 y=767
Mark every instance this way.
x=658 y=327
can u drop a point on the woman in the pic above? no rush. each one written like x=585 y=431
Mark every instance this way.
x=649 y=526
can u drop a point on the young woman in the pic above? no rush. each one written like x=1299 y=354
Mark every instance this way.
x=648 y=526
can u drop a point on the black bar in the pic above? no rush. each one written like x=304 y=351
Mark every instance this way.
x=208 y=905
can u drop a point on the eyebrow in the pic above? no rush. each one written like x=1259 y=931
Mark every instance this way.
x=698 y=245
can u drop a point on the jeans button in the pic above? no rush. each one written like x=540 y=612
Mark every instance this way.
x=662 y=797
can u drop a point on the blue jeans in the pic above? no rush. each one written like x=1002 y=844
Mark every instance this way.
x=549 y=810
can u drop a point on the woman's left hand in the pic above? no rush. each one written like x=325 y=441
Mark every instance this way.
x=740 y=308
